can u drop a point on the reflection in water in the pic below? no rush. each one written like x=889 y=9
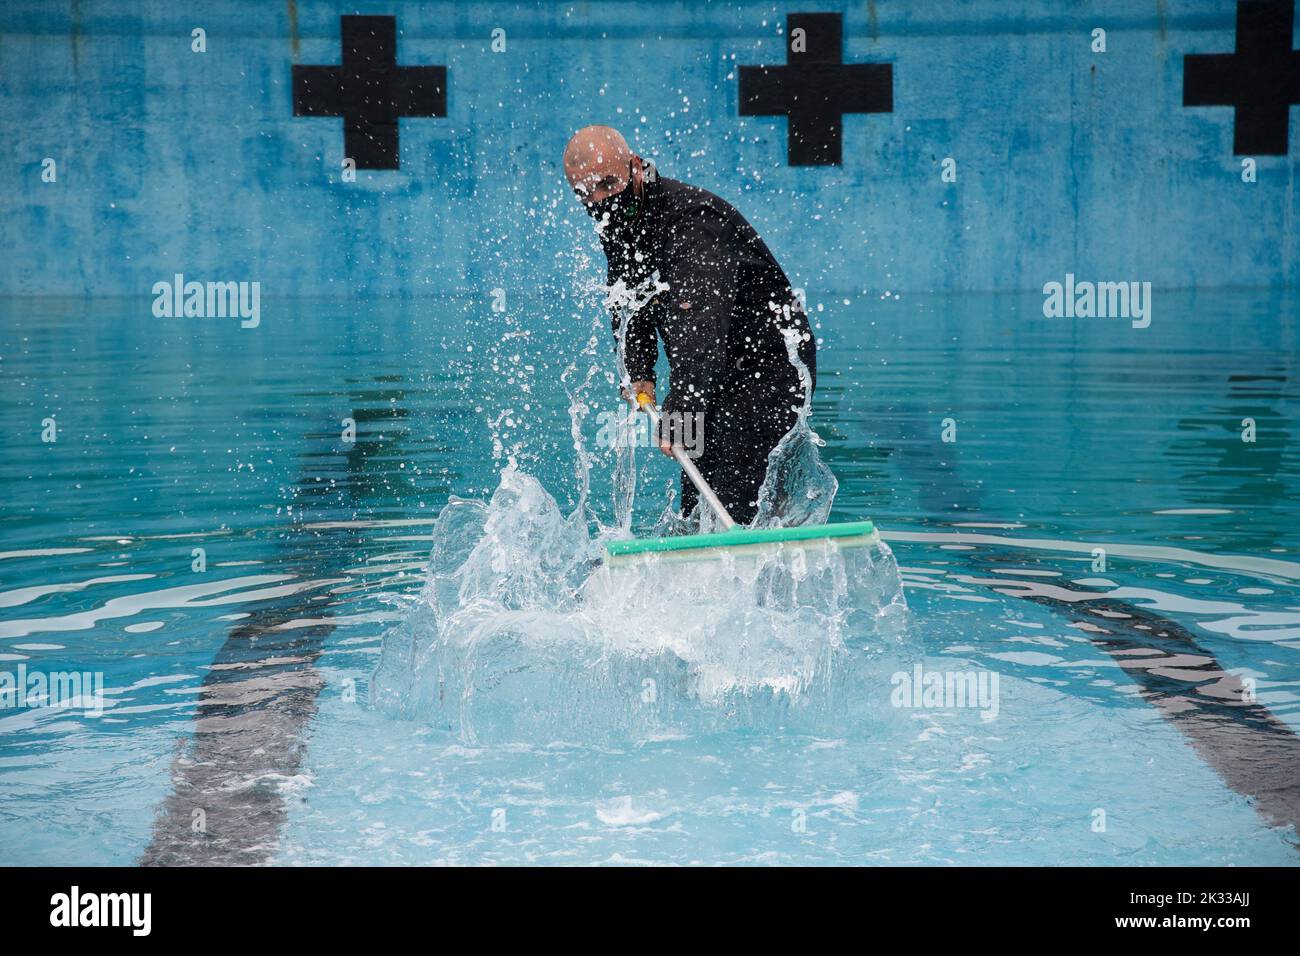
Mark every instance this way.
x=1216 y=467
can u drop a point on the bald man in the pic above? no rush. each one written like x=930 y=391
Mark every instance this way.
x=721 y=318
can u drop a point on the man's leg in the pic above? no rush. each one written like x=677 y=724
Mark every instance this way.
x=690 y=497
x=739 y=433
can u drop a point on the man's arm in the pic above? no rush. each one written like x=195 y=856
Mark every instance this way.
x=640 y=345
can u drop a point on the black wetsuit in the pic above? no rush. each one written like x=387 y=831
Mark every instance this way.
x=721 y=322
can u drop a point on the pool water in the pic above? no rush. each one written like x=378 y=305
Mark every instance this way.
x=1073 y=510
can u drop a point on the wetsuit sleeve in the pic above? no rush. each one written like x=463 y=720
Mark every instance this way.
x=696 y=309
x=640 y=347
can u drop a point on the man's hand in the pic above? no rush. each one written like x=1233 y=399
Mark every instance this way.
x=644 y=387
x=665 y=439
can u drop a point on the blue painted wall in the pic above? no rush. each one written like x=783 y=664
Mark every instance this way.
x=173 y=161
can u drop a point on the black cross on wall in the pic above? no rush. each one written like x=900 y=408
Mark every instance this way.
x=1261 y=80
x=370 y=91
x=816 y=88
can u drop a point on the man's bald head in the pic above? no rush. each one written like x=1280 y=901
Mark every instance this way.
x=597 y=163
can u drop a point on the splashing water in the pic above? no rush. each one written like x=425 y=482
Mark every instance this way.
x=523 y=633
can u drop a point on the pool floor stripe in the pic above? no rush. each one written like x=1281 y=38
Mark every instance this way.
x=1253 y=752
x=230 y=781
x=233 y=780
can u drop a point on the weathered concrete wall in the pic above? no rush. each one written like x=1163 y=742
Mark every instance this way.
x=1067 y=160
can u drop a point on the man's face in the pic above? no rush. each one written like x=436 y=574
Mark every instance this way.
x=597 y=163
x=596 y=177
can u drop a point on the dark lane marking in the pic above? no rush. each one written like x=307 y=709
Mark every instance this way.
x=231 y=783
x=1254 y=752
x=227 y=806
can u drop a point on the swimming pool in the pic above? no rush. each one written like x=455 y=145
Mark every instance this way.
x=203 y=533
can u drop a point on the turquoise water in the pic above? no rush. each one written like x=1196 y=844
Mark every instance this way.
x=1120 y=736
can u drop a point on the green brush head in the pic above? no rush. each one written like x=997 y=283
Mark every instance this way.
x=742 y=541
